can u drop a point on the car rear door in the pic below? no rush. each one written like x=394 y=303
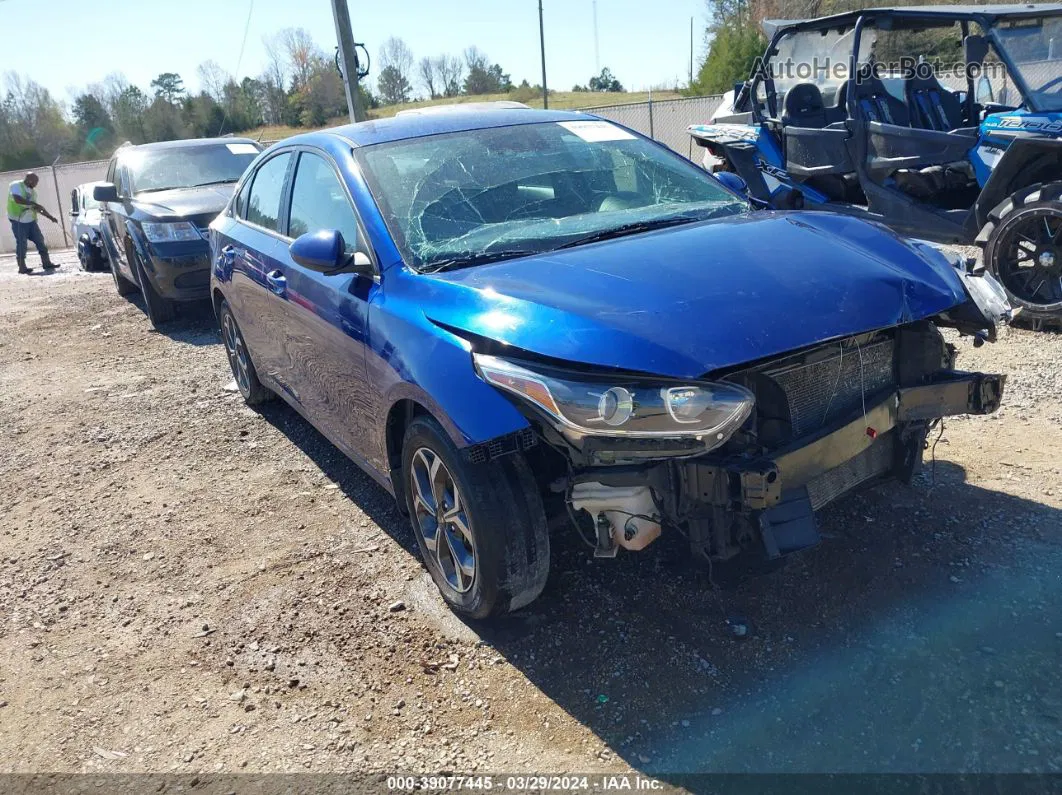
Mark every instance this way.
x=254 y=244
x=325 y=316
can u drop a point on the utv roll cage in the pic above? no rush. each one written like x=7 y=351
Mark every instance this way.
x=902 y=17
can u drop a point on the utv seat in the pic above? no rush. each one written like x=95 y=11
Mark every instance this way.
x=804 y=107
x=932 y=106
x=875 y=103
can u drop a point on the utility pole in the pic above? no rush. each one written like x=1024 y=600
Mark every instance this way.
x=597 y=50
x=691 y=51
x=348 y=59
x=542 y=43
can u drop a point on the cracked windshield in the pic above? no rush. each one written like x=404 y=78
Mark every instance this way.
x=482 y=195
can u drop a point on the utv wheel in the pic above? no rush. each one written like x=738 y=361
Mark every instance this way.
x=240 y=359
x=124 y=287
x=159 y=310
x=1023 y=249
x=481 y=528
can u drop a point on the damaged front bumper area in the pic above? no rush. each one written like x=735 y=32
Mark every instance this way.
x=731 y=504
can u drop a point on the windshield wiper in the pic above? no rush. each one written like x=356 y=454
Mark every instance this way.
x=633 y=228
x=452 y=263
x=215 y=182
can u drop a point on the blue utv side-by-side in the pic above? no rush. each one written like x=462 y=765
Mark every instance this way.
x=942 y=122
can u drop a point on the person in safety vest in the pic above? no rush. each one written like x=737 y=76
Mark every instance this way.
x=22 y=210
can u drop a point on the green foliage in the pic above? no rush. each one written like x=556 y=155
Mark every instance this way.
x=604 y=82
x=486 y=80
x=394 y=87
x=93 y=125
x=168 y=86
x=524 y=93
x=730 y=58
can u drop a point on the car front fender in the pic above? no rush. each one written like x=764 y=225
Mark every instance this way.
x=413 y=359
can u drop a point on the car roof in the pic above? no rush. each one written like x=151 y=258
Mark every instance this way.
x=986 y=14
x=443 y=120
x=187 y=143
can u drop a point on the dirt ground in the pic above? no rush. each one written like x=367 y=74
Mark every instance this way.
x=189 y=585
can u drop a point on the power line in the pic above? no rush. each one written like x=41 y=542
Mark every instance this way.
x=239 y=61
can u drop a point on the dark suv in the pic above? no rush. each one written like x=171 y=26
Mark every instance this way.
x=157 y=202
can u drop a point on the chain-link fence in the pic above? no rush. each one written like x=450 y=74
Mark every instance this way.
x=665 y=121
x=53 y=192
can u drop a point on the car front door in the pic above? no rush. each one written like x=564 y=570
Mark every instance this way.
x=325 y=317
x=115 y=216
x=254 y=244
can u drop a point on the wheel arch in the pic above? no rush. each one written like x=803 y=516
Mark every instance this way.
x=402 y=412
x=1026 y=162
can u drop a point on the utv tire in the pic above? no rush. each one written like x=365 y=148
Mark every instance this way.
x=159 y=310
x=481 y=528
x=1023 y=249
x=124 y=287
x=239 y=357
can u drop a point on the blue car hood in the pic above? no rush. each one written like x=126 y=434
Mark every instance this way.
x=685 y=301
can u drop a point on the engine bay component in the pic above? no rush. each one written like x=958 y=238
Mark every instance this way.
x=629 y=510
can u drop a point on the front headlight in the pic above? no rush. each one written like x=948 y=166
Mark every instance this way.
x=621 y=406
x=173 y=232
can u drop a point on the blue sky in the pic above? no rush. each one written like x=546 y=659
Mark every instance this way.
x=66 y=44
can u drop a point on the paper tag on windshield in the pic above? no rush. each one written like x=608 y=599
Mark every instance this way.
x=596 y=130
x=242 y=149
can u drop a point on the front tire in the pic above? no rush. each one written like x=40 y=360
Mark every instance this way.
x=481 y=528
x=240 y=359
x=1023 y=249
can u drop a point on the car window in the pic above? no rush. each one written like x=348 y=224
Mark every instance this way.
x=240 y=207
x=319 y=201
x=263 y=202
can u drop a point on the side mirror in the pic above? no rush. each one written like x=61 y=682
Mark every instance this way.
x=733 y=181
x=974 y=49
x=105 y=193
x=325 y=252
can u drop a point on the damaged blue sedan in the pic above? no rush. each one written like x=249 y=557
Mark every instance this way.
x=505 y=314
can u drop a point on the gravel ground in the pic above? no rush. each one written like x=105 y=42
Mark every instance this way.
x=189 y=585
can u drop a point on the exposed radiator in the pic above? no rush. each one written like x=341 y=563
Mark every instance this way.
x=832 y=388
x=875 y=460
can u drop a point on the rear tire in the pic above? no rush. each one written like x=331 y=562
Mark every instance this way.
x=240 y=359
x=488 y=517
x=1023 y=249
x=159 y=310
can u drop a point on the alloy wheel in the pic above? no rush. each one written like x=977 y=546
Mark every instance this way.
x=1031 y=266
x=442 y=520
x=237 y=353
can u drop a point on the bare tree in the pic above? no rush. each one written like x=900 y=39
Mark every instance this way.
x=274 y=79
x=303 y=54
x=428 y=76
x=212 y=79
x=395 y=55
x=475 y=58
x=451 y=71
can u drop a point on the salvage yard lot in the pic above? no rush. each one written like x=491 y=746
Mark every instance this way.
x=190 y=585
